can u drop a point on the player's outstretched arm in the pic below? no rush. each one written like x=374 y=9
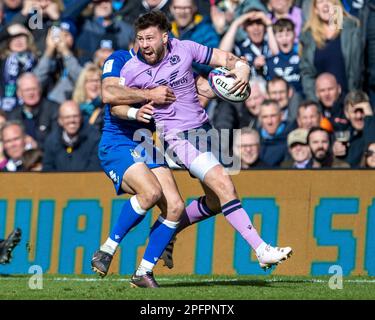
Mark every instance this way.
x=239 y=68
x=114 y=93
x=126 y=112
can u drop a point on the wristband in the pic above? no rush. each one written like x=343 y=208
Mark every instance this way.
x=132 y=113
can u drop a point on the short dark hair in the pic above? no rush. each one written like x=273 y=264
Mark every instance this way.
x=355 y=97
x=269 y=102
x=276 y=79
x=154 y=18
x=283 y=24
x=307 y=103
x=31 y=158
x=315 y=129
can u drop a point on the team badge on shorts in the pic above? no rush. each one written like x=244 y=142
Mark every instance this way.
x=134 y=154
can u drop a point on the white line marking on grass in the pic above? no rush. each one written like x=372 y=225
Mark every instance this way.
x=163 y=279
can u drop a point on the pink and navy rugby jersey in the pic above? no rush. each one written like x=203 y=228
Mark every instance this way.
x=175 y=71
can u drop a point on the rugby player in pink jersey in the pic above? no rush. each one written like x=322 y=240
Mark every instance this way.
x=164 y=61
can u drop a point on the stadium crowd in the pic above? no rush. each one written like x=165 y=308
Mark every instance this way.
x=312 y=78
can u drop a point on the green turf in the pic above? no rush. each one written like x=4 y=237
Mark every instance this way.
x=187 y=287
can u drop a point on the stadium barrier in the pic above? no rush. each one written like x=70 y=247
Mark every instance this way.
x=328 y=217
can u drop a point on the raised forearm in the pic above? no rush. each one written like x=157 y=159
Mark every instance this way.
x=120 y=111
x=272 y=40
x=225 y=59
x=115 y=94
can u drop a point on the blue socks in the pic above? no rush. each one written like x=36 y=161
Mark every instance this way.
x=131 y=215
x=161 y=234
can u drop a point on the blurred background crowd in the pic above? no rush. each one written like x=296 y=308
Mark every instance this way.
x=312 y=78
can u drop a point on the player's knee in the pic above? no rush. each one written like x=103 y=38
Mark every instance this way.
x=224 y=187
x=150 y=197
x=175 y=210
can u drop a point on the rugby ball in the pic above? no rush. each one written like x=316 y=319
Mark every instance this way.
x=221 y=84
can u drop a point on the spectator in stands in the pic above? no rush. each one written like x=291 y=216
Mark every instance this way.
x=298 y=149
x=37 y=114
x=249 y=116
x=330 y=47
x=73 y=146
x=258 y=46
x=319 y=142
x=308 y=115
x=285 y=9
x=32 y=160
x=368 y=159
x=58 y=69
x=279 y=90
x=18 y=57
x=50 y=10
x=246 y=146
x=9 y=9
x=350 y=144
x=370 y=47
x=14 y=143
x=132 y=9
x=273 y=134
x=87 y=94
x=102 y=25
x=222 y=14
x=2 y=20
x=331 y=98
x=286 y=63
x=104 y=51
x=188 y=24
x=3 y=159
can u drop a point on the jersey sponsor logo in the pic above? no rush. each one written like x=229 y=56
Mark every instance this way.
x=174 y=59
x=172 y=81
x=162 y=82
x=294 y=59
x=287 y=74
x=108 y=66
x=179 y=82
x=173 y=76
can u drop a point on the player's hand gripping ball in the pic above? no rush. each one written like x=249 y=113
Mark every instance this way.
x=221 y=84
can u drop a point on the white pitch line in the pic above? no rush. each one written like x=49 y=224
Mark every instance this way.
x=65 y=279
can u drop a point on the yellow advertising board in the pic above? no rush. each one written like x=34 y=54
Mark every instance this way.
x=327 y=217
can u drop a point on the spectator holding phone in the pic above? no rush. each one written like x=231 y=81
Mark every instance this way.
x=50 y=11
x=58 y=69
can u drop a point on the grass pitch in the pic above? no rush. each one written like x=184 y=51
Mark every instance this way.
x=14 y=287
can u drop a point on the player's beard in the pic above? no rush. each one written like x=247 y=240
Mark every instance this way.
x=158 y=54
